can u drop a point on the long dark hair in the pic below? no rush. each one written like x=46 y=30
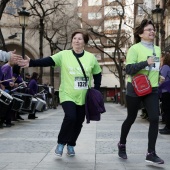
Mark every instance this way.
x=139 y=29
x=166 y=59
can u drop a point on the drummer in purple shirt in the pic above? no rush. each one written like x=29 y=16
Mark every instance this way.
x=7 y=87
x=33 y=90
x=1 y=105
x=8 y=76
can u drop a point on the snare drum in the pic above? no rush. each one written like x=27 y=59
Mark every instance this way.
x=4 y=108
x=27 y=98
x=5 y=97
x=40 y=104
x=17 y=104
x=33 y=105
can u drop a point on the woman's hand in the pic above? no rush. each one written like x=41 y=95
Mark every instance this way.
x=161 y=79
x=150 y=60
x=14 y=57
x=24 y=62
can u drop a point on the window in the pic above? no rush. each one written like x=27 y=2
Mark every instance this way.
x=111 y=25
x=97 y=42
x=140 y=9
x=79 y=15
x=109 y=53
x=113 y=11
x=79 y=3
x=94 y=2
x=98 y=56
x=97 y=28
x=13 y=5
x=113 y=1
x=93 y=15
x=109 y=11
x=119 y=10
x=109 y=42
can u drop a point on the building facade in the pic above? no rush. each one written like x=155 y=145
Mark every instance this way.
x=12 y=33
x=103 y=17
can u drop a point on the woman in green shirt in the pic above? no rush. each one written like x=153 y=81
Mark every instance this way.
x=142 y=57
x=73 y=87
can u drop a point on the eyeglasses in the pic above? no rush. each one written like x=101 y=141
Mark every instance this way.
x=150 y=30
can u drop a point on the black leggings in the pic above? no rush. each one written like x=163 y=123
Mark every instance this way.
x=72 y=123
x=151 y=103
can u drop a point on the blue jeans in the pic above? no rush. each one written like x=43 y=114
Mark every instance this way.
x=151 y=103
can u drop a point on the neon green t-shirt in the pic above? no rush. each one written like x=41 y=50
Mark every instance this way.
x=73 y=86
x=138 y=53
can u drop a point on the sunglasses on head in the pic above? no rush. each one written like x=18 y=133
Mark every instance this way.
x=146 y=22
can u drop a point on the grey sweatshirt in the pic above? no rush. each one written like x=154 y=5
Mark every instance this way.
x=4 y=56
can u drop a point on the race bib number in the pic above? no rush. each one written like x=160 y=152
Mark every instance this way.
x=156 y=65
x=80 y=83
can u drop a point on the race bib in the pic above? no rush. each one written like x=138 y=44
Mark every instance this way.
x=156 y=65
x=80 y=83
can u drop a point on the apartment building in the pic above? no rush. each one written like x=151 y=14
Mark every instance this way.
x=12 y=33
x=166 y=26
x=102 y=16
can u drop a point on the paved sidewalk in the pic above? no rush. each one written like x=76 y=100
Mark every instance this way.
x=30 y=144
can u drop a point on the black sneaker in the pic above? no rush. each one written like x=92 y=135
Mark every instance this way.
x=19 y=117
x=165 y=128
x=153 y=158
x=164 y=131
x=122 y=151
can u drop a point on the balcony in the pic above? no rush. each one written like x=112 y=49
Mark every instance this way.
x=167 y=44
x=139 y=2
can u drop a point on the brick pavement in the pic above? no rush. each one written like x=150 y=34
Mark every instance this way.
x=30 y=144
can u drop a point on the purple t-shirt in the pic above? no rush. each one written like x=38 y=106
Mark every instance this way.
x=7 y=73
x=18 y=78
x=1 y=75
x=33 y=87
x=165 y=72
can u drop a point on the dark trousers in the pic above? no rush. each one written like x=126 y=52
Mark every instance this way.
x=5 y=112
x=166 y=108
x=151 y=103
x=72 y=123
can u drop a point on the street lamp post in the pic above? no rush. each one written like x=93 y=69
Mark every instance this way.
x=23 y=21
x=157 y=19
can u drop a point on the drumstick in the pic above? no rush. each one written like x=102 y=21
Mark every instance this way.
x=5 y=80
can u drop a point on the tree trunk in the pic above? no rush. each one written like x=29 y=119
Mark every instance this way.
x=2 y=7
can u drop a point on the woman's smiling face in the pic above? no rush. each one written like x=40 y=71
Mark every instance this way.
x=78 y=42
x=148 y=33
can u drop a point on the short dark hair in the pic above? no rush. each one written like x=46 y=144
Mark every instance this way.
x=139 y=29
x=34 y=75
x=83 y=32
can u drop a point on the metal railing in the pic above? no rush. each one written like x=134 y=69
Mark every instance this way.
x=167 y=43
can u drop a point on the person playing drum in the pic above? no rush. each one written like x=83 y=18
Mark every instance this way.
x=8 y=84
